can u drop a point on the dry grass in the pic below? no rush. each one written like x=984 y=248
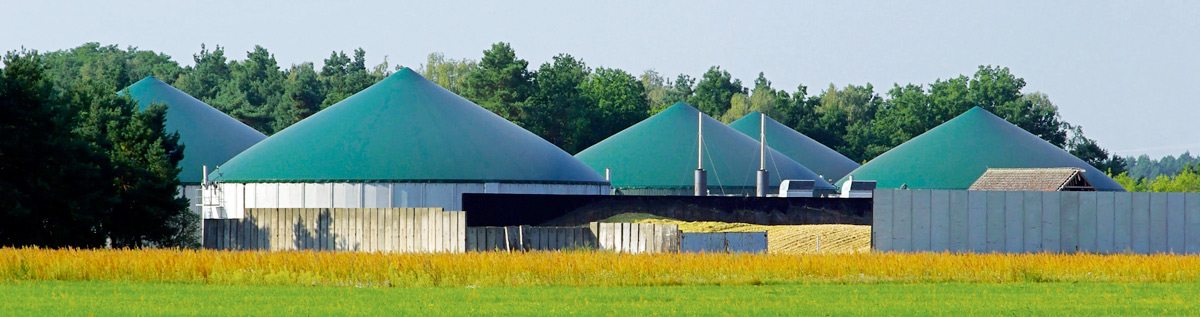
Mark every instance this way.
x=577 y=268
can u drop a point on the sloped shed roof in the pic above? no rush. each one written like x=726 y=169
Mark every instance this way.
x=804 y=150
x=406 y=129
x=1033 y=179
x=660 y=153
x=953 y=155
x=210 y=137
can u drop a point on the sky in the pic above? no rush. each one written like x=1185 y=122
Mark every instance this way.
x=1126 y=71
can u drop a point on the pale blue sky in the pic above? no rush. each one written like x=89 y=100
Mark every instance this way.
x=1126 y=71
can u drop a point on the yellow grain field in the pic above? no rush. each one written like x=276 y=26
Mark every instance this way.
x=577 y=268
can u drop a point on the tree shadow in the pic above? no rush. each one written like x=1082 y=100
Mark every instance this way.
x=321 y=237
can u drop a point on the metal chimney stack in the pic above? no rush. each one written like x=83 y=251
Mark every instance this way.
x=701 y=176
x=763 y=177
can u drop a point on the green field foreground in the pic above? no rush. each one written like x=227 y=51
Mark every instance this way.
x=117 y=298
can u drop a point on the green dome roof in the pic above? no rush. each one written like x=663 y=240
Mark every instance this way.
x=405 y=129
x=808 y=152
x=660 y=153
x=953 y=155
x=210 y=137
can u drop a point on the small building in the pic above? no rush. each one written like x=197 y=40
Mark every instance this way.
x=1033 y=179
x=403 y=142
x=210 y=137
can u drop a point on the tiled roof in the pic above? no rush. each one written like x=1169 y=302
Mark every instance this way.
x=1032 y=179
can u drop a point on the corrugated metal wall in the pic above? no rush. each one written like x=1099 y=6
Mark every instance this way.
x=234 y=198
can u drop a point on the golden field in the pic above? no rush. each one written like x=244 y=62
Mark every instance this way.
x=577 y=268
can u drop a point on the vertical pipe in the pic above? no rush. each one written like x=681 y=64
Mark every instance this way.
x=204 y=178
x=762 y=177
x=762 y=183
x=762 y=141
x=608 y=174
x=700 y=140
x=701 y=176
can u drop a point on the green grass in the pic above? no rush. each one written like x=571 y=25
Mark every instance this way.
x=113 y=298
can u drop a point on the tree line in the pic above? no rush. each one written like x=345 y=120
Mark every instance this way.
x=573 y=105
x=81 y=166
x=112 y=162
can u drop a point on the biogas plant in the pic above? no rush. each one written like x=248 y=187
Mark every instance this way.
x=406 y=142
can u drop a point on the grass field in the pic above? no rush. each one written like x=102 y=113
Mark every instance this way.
x=126 y=282
x=114 y=298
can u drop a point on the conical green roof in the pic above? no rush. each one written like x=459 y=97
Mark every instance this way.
x=210 y=137
x=953 y=155
x=660 y=153
x=406 y=129
x=808 y=152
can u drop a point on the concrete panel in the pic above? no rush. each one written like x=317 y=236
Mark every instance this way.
x=958 y=221
x=747 y=242
x=902 y=218
x=1031 y=206
x=977 y=221
x=488 y=239
x=1158 y=223
x=448 y=234
x=995 y=222
x=472 y=243
x=403 y=228
x=939 y=220
x=462 y=225
x=1069 y=226
x=881 y=219
x=1051 y=222
x=1122 y=222
x=1191 y=215
x=1176 y=223
x=1105 y=222
x=921 y=210
x=622 y=237
x=1140 y=222
x=1087 y=221
x=1014 y=222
